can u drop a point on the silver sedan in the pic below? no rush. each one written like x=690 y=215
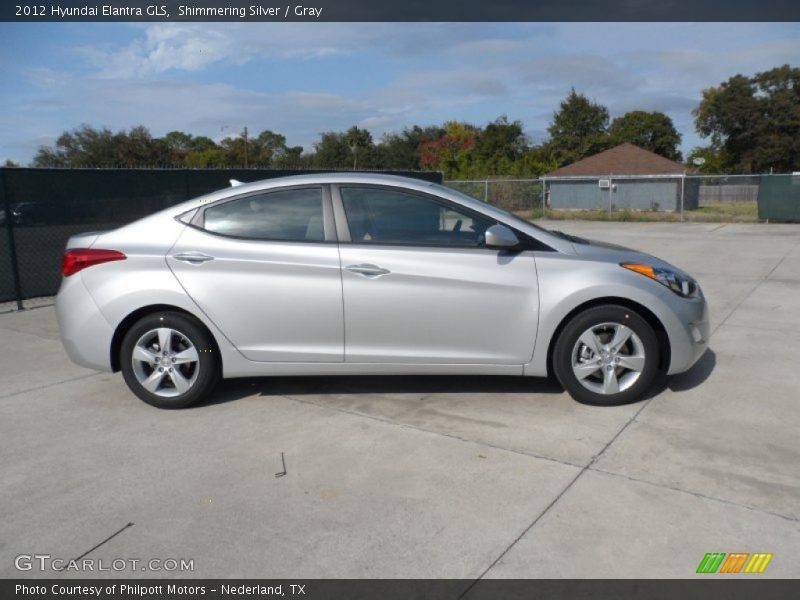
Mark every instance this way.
x=369 y=274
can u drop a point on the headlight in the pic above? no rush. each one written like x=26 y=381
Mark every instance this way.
x=683 y=285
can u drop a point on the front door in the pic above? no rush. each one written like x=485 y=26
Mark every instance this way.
x=420 y=287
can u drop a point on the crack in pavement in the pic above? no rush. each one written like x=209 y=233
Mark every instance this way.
x=49 y=385
x=754 y=288
x=430 y=431
x=96 y=546
x=698 y=495
x=555 y=500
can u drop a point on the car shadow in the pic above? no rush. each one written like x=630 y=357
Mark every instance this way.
x=236 y=389
x=683 y=382
x=701 y=371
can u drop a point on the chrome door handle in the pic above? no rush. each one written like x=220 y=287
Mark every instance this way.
x=368 y=270
x=193 y=257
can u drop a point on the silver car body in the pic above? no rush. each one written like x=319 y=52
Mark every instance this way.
x=315 y=308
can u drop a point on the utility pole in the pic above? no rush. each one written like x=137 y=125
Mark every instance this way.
x=683 y=192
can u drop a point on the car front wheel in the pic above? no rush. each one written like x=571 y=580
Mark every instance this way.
x=606 y=355
x=167 y=360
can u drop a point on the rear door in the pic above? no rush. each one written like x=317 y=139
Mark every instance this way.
x=420 y=286
x=265 y=269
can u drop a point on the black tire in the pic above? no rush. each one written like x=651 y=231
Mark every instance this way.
x=187 y=331
x=595 y=317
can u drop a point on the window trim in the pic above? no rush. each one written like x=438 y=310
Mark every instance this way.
x=328 y=224
x=527 y=242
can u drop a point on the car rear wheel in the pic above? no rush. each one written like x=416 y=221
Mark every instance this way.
x=168 y=360
x=606 y=355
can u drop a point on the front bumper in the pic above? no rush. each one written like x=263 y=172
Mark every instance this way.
x=688 y=333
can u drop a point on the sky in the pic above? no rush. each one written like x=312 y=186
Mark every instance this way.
x=301 y=79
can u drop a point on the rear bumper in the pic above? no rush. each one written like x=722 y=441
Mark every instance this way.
x=689 y=334
x=85 y=333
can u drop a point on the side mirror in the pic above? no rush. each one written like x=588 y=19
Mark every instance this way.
x=500 y=236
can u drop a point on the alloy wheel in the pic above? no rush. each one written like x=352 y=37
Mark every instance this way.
x=165 y=362
x=608 y=358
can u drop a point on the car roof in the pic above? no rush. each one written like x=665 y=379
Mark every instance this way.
x=320 y=178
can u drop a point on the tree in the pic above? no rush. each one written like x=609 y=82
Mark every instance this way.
x=183 y=145
x=292 y=158
x=90 y=147
x=754 y=122
x=203 y=153
x=401 y=150
x=332 y=151
x=201 y=143
x=499 y=145
x=137 y=148
x=267 y=147
x=537 y=161
x=10 y=163
x=359 y=140
x=234 y=151
x=396 y=151
x=707 y=160
x=579 y=129
x=451 y=153
x=179 y=143
x=207 y=158
x=84 y=146
x=652 y=131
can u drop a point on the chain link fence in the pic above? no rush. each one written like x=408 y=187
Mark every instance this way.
x=690 y=197
x=41 y=208
x=519 y=196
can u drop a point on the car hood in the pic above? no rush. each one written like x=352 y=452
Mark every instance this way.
x=605 y=252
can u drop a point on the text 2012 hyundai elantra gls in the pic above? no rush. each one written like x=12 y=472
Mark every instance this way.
x=368 y=274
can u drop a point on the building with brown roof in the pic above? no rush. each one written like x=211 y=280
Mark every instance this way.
x=625 y=176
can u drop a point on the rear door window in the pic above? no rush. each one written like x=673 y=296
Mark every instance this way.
x=285 y=215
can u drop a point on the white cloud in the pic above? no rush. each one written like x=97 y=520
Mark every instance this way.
x=46 y=77
x=381 y=123
x=596 y=74
x=191 y=47
x=425 y=86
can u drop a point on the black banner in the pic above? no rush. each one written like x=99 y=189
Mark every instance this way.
x=406 y=10
x=746 y=588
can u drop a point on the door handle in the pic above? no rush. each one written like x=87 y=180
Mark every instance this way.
x=368 y=270
x=195 y=258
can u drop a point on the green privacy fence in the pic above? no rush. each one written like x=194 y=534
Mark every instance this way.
x=41 y=208
x=779 y=198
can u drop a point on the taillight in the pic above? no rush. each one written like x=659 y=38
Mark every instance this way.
x=76 y=259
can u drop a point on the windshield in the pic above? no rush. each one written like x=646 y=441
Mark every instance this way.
x=474 y=201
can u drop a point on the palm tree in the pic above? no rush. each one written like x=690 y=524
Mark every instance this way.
x=357 y=138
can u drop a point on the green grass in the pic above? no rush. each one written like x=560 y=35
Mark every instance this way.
x=740 y=211
x=711 y=213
